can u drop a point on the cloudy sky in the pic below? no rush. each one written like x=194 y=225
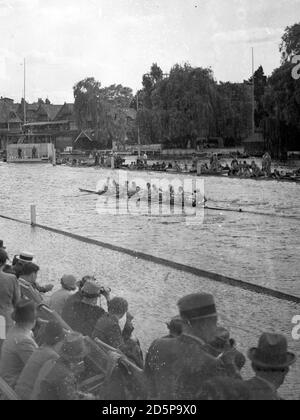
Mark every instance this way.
x=116 y=41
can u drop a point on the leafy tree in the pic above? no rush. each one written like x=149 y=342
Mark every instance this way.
x=188 y=105
x=234 y=112
x=281 y=101
x=117 y=95
x=282 y=106
x=290 y=45
x=87 y=95
x=103 y=110
x=260 y=84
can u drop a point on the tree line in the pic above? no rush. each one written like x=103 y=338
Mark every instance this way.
x=187 y=105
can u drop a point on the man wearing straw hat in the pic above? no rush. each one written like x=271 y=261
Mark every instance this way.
x=271 y=362
x=177 y=367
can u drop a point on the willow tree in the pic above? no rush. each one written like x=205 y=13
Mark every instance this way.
x=282 y=99
x=102 y=110
x=290 y=43
x=178 y=108
x=87 y=95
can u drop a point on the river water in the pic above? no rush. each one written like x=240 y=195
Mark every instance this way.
x=254 y=247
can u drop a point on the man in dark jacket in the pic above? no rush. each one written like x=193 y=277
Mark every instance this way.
x=19 y=344
x=53 y=336
x=73 y=302
x=86 y=312
x=58 y=380
x=178 y=367
x=108 y=328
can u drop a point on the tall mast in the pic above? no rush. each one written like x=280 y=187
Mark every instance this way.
x=24 y=91
x=253 y=94
x=138 y=128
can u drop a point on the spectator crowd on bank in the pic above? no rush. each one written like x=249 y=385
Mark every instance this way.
x=51 y=357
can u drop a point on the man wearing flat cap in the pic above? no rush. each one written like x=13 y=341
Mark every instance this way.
x=271 y=362
x=177 y=367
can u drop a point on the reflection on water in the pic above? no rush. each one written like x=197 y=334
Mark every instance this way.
x=260 y=249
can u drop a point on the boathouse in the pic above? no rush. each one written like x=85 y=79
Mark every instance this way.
x=53 y=124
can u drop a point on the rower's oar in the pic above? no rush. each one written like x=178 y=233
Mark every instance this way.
x=282 y=216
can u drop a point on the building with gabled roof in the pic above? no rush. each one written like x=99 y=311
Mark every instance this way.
x=10 y=123
x=47 y=112
x=53 y=124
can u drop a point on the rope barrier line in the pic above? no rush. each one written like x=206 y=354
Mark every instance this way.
x=23 y=222
x=171 y=264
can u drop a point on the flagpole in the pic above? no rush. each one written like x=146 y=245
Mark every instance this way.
x=138 y=126
x=24 y=91
x=253 y=94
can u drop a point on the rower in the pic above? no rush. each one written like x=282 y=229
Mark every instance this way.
x=134 y=190
x=105 y=187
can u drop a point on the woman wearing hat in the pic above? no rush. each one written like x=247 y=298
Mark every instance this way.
x=271 y=362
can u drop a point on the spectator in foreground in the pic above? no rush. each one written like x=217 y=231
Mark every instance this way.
x=58 y=380
x=60 y=297
x=68 y=310
x=28 y=277
x=108 y=328
x=9 y=295
x=20 y=344
x=271 y=362
x=223 y=343
x=115 y=328
x=53 y=337
x=175 y=327
x=86 y=312
x=177 y=367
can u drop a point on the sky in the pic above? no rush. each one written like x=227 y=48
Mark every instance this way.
x=116 y=41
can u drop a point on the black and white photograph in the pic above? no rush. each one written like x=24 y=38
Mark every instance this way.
x=149 y=203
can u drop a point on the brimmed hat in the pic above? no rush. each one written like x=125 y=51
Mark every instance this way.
x=74 y=347
x=272 y=352
x=69 y=282
x=25 y=257
x=2 y=244
x=91 y=289
x=197 y=306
